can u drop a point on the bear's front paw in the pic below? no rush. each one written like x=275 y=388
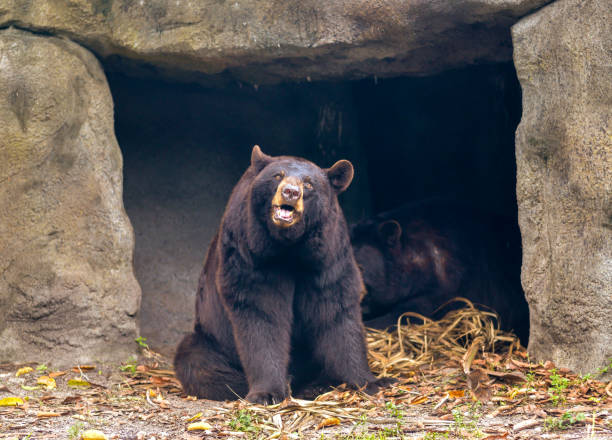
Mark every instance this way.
x=266 y=397
x=373 y=387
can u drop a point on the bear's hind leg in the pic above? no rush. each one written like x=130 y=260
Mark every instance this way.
x=206 y=372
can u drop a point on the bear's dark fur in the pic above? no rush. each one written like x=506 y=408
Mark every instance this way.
x=278 y=302
x=421 y=255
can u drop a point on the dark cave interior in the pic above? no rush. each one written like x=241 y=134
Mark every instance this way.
x=448 y=136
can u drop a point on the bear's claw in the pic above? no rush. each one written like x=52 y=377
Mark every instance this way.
x=265 y=397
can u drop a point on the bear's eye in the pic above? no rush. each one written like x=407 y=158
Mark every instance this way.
x=279 y=176
x=307 y=185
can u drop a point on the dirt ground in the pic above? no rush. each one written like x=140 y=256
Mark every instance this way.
x=141 y=399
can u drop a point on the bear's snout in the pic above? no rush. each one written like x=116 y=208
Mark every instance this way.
x=288 y=202
x=291 y=193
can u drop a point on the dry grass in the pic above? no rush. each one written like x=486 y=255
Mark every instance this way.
x=413 y=345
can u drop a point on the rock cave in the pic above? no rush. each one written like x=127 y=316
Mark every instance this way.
x=429 y=93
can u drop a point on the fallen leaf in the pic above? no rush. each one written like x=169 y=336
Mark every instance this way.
x=525 y=424
x=468 y=357
x=496 y=436
x=47 y=381
x=196 y=417
x=330 y=421
x=456 y=394
x=11 y=401
x=199 y=426
x=93 y=434
x=476 y=381
x=511 y=376
x=417 y=400
x=75 y=383
x=30 y=387
x=79 y=368
x=55 y=374
x=24 y=370
x=44 y=414
x=71 y=399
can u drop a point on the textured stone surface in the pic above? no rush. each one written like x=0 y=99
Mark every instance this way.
x=564 y=190
x=67 y=291
x=274 y=40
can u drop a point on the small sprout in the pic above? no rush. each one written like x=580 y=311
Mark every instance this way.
x=142 y=342
x=74 y=430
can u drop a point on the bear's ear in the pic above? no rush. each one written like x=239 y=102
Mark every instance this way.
x=340 y=175
x=390 y=231
x=258 y=158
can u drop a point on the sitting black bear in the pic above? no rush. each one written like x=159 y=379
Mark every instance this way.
x=419 y=256
x=279 y=296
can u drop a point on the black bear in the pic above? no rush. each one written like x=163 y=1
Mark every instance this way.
x=421 y=255
x=278 y=302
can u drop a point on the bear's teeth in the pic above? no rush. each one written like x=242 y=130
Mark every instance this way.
x=284 y=214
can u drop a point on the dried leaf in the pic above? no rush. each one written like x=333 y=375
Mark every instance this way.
x=75 y=383
x=510 y=376
x=330 y=421
x=196 y=417
x=45 y=414
x=496 y=436
x=11 y=401
x=79 y=368
x=199 y=426
x=418 y=400
x=47 y=381
x=71 y=399
x=456 y=394
x=93 y=434
x=476 y=381
x=24 y=370
x=55 y=374
x=469 y=355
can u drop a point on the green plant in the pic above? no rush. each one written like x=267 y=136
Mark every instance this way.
x=41 y=368
x=468 y=421
x=243 y=421
x=436 y=436
x=74 y=430
x=394 y=410
x=564 y=422
x=129 y=365
x=142 y=342
x=604 y=370
x=558 y=384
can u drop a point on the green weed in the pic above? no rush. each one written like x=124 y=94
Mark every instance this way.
x=563 y=422
x=558 y=384
x=74 y=430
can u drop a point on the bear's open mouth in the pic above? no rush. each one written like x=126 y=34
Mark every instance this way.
x=285 y=214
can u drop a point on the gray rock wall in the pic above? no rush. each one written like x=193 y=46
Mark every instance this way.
x=67 y=290
x=563 y=59
x=272 y=41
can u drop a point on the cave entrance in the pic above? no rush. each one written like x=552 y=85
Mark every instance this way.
x=185 y=146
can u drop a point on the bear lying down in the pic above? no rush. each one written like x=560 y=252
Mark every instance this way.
x=278 y=301
x=419 y=256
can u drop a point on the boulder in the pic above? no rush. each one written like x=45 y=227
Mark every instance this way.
x=564 y=189
x=67 y=289
x=271 y=41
